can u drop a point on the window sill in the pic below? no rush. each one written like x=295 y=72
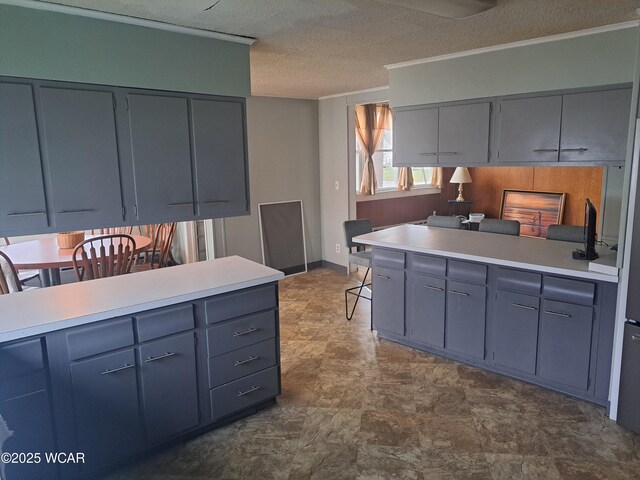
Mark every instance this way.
x=430 y=190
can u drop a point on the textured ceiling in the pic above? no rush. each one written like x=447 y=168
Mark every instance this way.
x=311 y=48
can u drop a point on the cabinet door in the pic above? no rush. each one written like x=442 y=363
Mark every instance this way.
x=529 y=130
x=515 y=331
x=464 y=134
x=169 y=386
x=388 y=300
x=564 y=346
x=218 y=139
x=595 y=126
x=428 y=309
x=161 y=157
x=82 y=151
x=466 y=316
x=22 y=200
x=415 y=137
x=105 y=397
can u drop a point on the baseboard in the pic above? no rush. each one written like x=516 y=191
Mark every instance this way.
x=334 y=266
x=312 y=265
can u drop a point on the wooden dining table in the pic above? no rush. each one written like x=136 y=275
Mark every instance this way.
x=44 y=255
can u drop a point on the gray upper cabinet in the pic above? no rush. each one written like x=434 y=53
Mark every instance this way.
x=161 y=151
x=220 y=159
x=529 y=130
x=22 y=201
x=463 y=134
x=595 y=126
x=415 y=139
x=81 y=152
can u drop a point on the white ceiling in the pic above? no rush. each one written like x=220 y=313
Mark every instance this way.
x=312 y=48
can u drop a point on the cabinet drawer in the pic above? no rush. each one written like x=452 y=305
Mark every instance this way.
x=21 y=358
x=236 y=396
x=241 y=362
x=96 y=339
x=467 y=272
x=567 y=290
x=225 y=307
x=388 y=258
x=518 y=281
x=163 y=322
x=240 y=333
x=430 y=265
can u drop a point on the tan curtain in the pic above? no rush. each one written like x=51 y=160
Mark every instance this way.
x=436 y=177
x=371 y=122
x=405 y=178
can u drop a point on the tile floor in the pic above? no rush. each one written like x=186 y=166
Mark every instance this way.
x=355 y=407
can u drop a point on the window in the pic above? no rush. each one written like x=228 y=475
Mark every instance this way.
x=386 y=174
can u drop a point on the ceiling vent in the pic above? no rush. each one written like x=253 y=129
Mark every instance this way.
x=446 y=8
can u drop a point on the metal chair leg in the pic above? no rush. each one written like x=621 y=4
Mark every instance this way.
x=357 y=295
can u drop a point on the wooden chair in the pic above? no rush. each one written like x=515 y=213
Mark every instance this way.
x=112 y=231
x=159 y=255
x=9 y=281
x=104 y=256
x=24 y=275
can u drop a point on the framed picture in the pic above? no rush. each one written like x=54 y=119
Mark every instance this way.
x=534 y=210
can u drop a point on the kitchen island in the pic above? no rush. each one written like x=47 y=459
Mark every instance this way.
x=115 y=367
x=518 y=306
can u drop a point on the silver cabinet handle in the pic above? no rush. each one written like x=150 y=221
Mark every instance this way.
x=180 y=204
x=214 y=202
x=635 y=338
x=455 y=292
x=242 y=362
x=526 y=307
x=447 y=153
x=25 y=214
x=581 y=149
x=428 y=153
x=543 y=150
x=252 y=389
x=557 y=314
x=434 y=288
x=109 y=371
x=382 y=276
x=159 y=357
x=245 y=332
x=87 y=210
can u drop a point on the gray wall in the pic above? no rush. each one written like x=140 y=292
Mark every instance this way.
x=283 y=165
x=598 y=59
x=57 y=46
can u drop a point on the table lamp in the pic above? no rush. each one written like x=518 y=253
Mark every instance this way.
x=460 y=176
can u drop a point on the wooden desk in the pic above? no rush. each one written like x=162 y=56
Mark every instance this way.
x=43 y=254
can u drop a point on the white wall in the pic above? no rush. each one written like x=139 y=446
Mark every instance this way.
x=283 y=165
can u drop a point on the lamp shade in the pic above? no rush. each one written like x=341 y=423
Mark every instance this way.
x=461 y=175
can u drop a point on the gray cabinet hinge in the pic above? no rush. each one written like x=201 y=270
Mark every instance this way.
x=493 y=355
x=124 y=213
x=135 y=210
x=588 y=383
x=126 y=103
x=195 y=340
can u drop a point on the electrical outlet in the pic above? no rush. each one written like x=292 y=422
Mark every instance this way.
x=337 y=248
x=337 y=185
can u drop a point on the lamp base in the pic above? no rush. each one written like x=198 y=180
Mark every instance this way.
x=460 y=197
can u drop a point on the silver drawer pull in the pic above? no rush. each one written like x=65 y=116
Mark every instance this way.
x=447 y=153
x=252 y=389
x=455 y=292
x=86 y=210
x=557 y=314
x=25 y=214
x=526 y=307
x=214 y=202
x=180 y=204
x=427 y=153
x=635 y=338
x=382 y=276
x=545 y=150
x=581 y=149
x=245 y=332
x=110 y=371
x=159 y=357
x=242 y=362
x=434 y=288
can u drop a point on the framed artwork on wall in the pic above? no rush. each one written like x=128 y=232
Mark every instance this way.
x=534 y=210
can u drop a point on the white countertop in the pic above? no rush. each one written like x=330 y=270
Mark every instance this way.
x=547 y=256
x=44 y=310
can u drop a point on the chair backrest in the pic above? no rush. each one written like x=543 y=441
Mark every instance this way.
x=353 y=228
x=162 y=240
x=105 y=256
x=566 y=233
x=112 y=231
x=6 y=240
x=444 y=221
x=9 y=281
x=504 y=227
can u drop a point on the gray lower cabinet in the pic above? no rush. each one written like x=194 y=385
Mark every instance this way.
x=515 y=331
x=80 y=146
x=466 y=316
x=22 y=201
x=629 y=399
x=388 y=300
x=428 y=300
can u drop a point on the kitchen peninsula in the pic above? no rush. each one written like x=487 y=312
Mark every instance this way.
x=518 y=306
x=118 y=366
